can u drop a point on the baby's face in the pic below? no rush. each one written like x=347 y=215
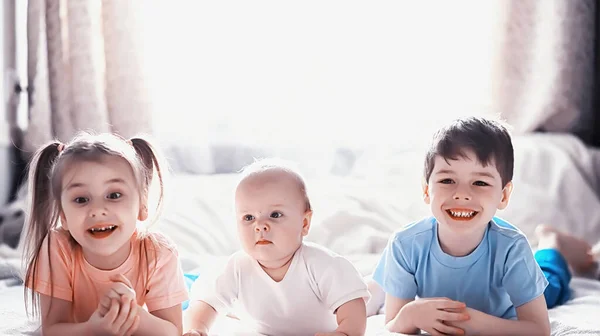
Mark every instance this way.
x=463 y=194
x=272 y=217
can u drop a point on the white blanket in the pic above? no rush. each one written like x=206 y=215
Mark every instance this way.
x=555 y=180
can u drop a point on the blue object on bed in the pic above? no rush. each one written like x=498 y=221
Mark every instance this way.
x=189 y=281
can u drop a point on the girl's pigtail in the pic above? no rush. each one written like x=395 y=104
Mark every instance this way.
x=42 y=214
x=153 y=163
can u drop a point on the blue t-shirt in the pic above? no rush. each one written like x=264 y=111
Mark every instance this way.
x=499 y=275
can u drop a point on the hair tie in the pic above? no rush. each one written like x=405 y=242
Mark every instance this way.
x=60 y=147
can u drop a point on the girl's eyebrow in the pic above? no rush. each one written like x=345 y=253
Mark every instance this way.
x=80 y=184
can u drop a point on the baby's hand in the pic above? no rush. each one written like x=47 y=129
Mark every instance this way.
x=121 y=287
x=195 y=332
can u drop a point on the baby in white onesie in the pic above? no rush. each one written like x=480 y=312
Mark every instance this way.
x=282 y=285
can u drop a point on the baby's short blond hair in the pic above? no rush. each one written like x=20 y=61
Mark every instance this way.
x=260 y=166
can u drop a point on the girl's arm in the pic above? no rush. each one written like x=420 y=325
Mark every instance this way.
x=532 y=319
x=57 y=321
x=162 y=322
x=121 y=319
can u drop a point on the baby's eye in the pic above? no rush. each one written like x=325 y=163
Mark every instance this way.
x=80 y=200
x=446 y=181
x=248 y=218
x=114 y=195
x=480 y=183
x=276 y=214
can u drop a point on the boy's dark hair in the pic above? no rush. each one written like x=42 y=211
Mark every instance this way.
x=488 y=139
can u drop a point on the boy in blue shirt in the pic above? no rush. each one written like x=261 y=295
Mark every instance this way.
x=470 y=271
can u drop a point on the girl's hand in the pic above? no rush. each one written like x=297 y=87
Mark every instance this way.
x=121 y=287
x=121 y=319
x=195 y=332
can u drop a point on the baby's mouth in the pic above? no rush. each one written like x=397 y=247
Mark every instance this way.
x=461 y=214
x=101 y=231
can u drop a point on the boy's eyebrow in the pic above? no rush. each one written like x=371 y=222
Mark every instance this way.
x=484 y=174
x=448 y=171
x=445 y=171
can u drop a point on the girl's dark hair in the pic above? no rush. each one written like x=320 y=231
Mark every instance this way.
x=45 y=174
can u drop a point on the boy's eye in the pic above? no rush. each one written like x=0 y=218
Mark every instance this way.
x=114 y=195
x=80 y=200
x=447 y=181
x=248 y=218
x=276 y=214
x=480 y=183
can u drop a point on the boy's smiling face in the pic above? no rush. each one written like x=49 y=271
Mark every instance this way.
x=464 y=194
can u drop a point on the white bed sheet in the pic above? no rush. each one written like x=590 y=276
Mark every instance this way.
x=556 y=182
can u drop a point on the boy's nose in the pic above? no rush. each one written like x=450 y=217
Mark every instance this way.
x=463 y=194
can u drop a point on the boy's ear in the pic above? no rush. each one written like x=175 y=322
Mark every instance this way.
x=506 y=192
x=425 y=187
x=306 y=222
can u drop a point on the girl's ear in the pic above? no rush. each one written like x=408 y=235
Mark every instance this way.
x=63 y=220
x=143 y=213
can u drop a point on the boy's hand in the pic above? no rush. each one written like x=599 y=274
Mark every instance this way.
x=431 y=314
x=195 y=332
x=121 y=319
x=121 y=287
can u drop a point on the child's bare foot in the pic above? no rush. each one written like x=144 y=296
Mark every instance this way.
x=577 y=252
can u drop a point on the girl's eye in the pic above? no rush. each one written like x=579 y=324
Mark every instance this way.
x=480 y=183
x=80 y=200
x=447 y=181
x=276 y=214
x=248 y=218
x=114 y=195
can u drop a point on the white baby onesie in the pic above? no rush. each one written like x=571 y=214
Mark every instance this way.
x=317 y=282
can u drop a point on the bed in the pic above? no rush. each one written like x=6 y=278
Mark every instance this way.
x=357 y=208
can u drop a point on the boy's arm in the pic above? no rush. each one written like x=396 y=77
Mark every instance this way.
x=532 y=319
x=427 y=314
x=395 y=318
x=199 y=317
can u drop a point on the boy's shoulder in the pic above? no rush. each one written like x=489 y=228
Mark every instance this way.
x=505 y=231
x=423 y=228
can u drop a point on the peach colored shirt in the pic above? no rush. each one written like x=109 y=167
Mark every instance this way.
x=75 y=280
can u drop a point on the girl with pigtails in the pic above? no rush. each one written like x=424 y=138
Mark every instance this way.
x=91 y=269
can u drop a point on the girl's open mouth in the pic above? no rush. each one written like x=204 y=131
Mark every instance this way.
x=461 y=214
x=101 y=231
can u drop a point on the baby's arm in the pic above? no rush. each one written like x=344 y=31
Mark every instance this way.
x=532 y=319
x=351 y=319
x=199 y=317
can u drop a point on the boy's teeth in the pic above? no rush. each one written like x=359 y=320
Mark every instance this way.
x=462 y=213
